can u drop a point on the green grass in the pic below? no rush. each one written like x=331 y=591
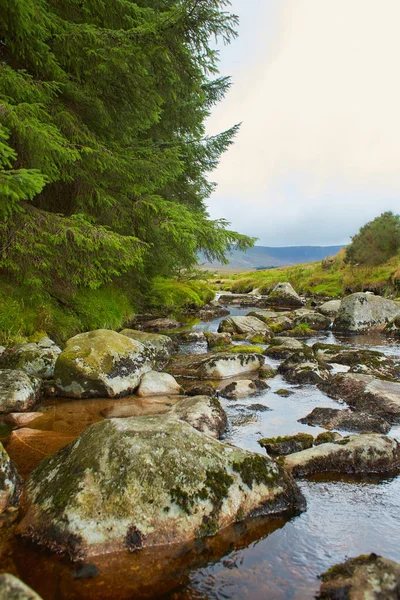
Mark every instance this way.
x=175 y=295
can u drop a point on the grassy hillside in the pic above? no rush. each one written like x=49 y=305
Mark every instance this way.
x=331 y=278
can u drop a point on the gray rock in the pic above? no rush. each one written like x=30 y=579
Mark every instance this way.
x=216 y=366
x=12 y=588
x=10 y=481
x=204 y=413
x=36 y=359
x=330 y=309
x=244 y=325
x=154 y=383
x=312 y=318
x=283 y=347
x=302 y=367
x=161 y=345
x=148 y=481
x=363 y=311
x=244 y=388
x=284 y=295
x=333 y=418
x=18 y=391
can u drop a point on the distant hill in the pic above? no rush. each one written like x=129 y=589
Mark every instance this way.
x=265 y=256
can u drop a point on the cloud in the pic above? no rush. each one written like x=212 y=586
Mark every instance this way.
x=321 y=120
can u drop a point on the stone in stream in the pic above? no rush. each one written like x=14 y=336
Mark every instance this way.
x=209 y=312
x=362 y=312
x=243 y=388
x=302 y=367
x=359 y=360
x=263 y=315
x=36 y=358
x=367 y=577
x=312 y=318
x=19 y=392
x=365 y=393
x=12 y=588
x=160 y=324
x=199 y=388
x=127 y=484
x=101 y=363
x=161 y=345
x=282 y=446
x=355 y=454
x=283 y=295
x=244 y=325
x=154 y=383
x=282 y=347
x=215 y=339
x=333 y=418
x=10 y=481
x=280 y=323
x=330 y=308
x=216 y=366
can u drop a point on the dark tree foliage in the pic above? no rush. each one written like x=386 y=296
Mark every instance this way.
x=376 y=242
x=103 y=154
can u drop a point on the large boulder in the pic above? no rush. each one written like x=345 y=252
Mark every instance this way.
x=216 y=366
x=364 y=393
x=355 y=454
x=154 y=383
x=283 y=295
x=101 y=363
x=162 y=346
x=19 y=392
x=127 y=484
x=363 y=311
x=330 y=309
x=347 y=420
x=36 y=358
x=244 y=325
x=12 y=588
x=367 y=577
x=10 y=481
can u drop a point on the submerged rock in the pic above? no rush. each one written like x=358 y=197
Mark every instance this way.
x=333 y=418
x=284 y=295
x=216 y=366
x=101 y=363
x=367 y=577
x=161 y=345
x=364 y=311
x=330 y=309
x=363 y=453
x=243 y=388
x=246 y=325
x=10 y=481
x=12 y=588
x=36 y=359
x=19 y=392
x=154 y=383
x=149 y=481
x=282 y=446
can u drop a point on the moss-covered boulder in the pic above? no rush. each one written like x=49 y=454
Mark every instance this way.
x=101 y=363
x=36 y=358
x=347 y=420
x=149 y=481
x=282 y=446
x=283 y=295
x=216 y=366
x=215 y=339
x=161 y=346
x=12 y=588
x=19 y=392
x=243 y=325
x=10 y=481
x=243 y=388
x=282 y=347
x=302 y=367
x=363 y=311
x=355 y=454
x=367 y=577
x=154 y=383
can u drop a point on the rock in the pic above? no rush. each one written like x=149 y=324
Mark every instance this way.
x=364 y=393
x=393 y=327
x=203 y=413
x=191 y=336
x=267 y=372
x=312 y=318
x=333 y=418
x=218 y=339
x=244 y=419
x=12 y=588
x=279 y=324
x=284 y=295
x=246 y=325
x=263 y=315
x=161 y=345
x=368 y=577
x=10 y=481
x=36 y=359
x=149 y=481
x=282 y=446
x=326 y=437
x=356 y=454
x=330 y=309
x=363 y=311
x=101 y=363
x=19 y=392
x=243 y=388
x=209 y=313
x=284 y=393
x=216 y=366
x=240 y=300
x=259 y=408
x=163 y=323
x=358 y=359
x=283 y=347
x=154 y=383
x=199 y=389
x=302 y=367
x=21 y=419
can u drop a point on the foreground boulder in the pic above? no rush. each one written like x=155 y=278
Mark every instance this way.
x=149 y=481
x=36 y=359
x=101 y=363
x=282 y=446
x=246 y=325
x=363 y=311
x=18 y=391
x=363 y=453
x=10 y=481
x=154 y=383
x=333 y=418
x=367 y=577
x=216 y=366
x=283 y=295
x=12 y=588
x=364 y=393
x=160 y=345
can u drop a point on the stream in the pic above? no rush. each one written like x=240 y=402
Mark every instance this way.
x=275 y=559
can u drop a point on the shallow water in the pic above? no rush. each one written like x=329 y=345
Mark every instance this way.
x=277 y=559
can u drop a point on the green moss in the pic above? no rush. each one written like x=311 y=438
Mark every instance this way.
x=208 y=528
x=239 y=349
x=305 y=438
x=254 y=469
x=284 y=393
x=325 y=438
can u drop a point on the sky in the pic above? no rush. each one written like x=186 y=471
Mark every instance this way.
x=317 y=90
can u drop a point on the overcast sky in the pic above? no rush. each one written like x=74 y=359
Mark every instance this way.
x=316 y=86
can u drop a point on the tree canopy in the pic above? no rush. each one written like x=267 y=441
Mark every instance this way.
x=376 y=242
x=104 y=161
